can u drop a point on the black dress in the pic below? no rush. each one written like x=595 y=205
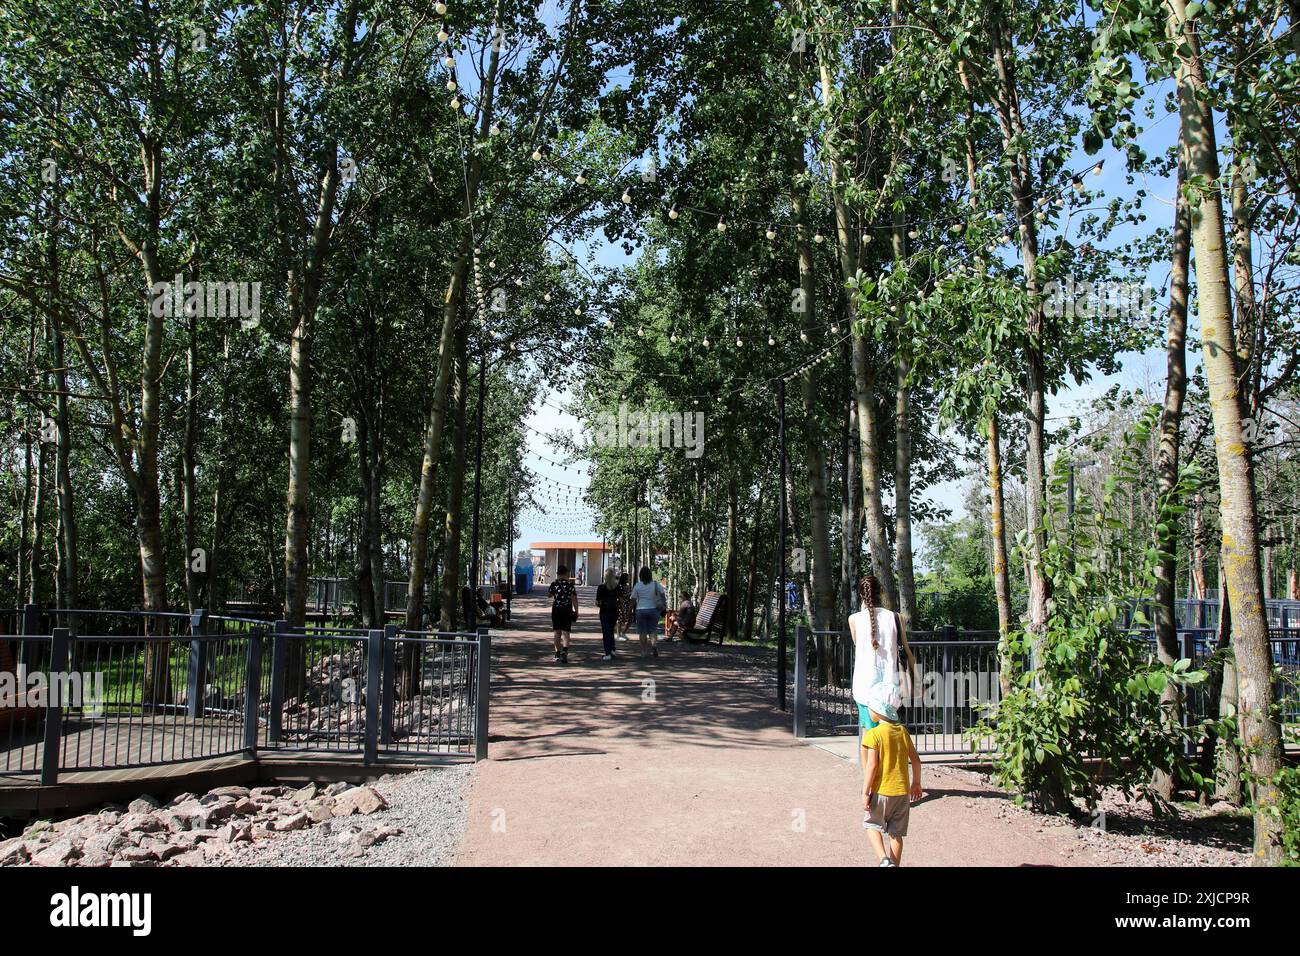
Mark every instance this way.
x=562 y=613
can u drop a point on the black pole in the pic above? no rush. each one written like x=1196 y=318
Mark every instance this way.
x=478 y=488
x=510 y=546
x=780 y=548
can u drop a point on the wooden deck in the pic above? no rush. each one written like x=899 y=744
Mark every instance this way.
x=107 y=759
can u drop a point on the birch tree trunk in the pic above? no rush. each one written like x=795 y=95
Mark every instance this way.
x=1240 y=537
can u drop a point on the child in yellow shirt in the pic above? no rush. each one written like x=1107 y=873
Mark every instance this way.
x=887 y=794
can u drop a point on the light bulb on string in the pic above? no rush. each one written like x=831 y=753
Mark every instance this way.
x=673 y=213
x=739 y=343
x=582 y=178
x=722 y=225
x=546 y=297
x=626 y=197
x=494 y=130
x=449 y=61
x=443 y=35
x=803 y=336
x=440 y=8
x=771 y=341
x=771 y=233
x=1077 y=182
x=912 y=233
x=455 y=102
x=1096 y=170
x=537 y=155
x=706 y=342
x=819 y=238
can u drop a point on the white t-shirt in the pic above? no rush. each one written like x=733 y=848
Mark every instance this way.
x=645 y=595
x=874 y=665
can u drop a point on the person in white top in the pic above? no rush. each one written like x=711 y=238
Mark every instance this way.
x=651 y=602
x=878 y=636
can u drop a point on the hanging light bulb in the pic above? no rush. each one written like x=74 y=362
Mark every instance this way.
x=449 y=61
x=1077 y=182
x=673 y=338
x=537 y=155
x=706 y=341
x=582 y=178
x=912 y=233
x=835 y=328
x=440 y=8
x=739 y=343
x=771 y=341
x=519 y=281
x=546 y=297
x=819 y=238
x=771 y=233
x=722 y=225
x=955 y=229
x=443 y=35
x=673 y=213
x=455 y=102
x=803 y=336
x=1097 y=169
x=494 y=130
x=626 y=197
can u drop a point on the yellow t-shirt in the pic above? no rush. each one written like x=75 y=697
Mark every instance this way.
x=893 y=746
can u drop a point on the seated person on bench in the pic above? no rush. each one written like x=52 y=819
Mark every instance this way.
x=680 y=621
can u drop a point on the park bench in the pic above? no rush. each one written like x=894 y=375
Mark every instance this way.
x=9 y=665
x=710 y=617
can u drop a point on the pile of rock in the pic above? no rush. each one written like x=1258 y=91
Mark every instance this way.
x=194 y=830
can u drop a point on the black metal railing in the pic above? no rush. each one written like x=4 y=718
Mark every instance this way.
x=957 y=678
x=139 y=688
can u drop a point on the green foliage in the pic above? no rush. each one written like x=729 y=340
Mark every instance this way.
x=1088 y=712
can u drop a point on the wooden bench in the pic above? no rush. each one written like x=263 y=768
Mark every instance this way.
x=9 y=665
x=711 y=617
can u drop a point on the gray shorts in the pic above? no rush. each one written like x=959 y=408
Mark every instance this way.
x=888 y=815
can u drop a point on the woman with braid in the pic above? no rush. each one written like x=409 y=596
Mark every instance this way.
x=877 y=634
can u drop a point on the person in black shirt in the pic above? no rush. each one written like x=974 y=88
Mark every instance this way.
x=609 y=598
x=564 y=611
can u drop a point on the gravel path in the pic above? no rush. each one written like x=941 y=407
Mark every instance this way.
x=428 y=807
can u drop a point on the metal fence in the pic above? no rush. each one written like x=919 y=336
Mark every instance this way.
x=956 y=673
x=958 y=677
x=133 y=689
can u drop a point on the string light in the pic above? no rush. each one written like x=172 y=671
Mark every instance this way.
x=440 y=8
x=819 y=238
x=626 y=197
x=722 y=225
x=771 y=233
x=537 y=155
x=443 y=35
x=582 y=178
x=673 y=213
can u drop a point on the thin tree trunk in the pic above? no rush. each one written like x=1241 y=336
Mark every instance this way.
x=1166 y=465
x=453 y=519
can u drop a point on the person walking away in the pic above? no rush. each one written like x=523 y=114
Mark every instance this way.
x=877 y=634
x=887 y=793
x=609 y=599
x=627 y=606
x=651 y=601
x=564 y=611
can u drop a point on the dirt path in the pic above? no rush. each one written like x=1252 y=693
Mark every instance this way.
x=683 y=761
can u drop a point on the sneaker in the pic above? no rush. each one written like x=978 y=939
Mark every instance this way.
x=607 y=657
x=557 y=657
x=887 y=862
x=564 y=656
